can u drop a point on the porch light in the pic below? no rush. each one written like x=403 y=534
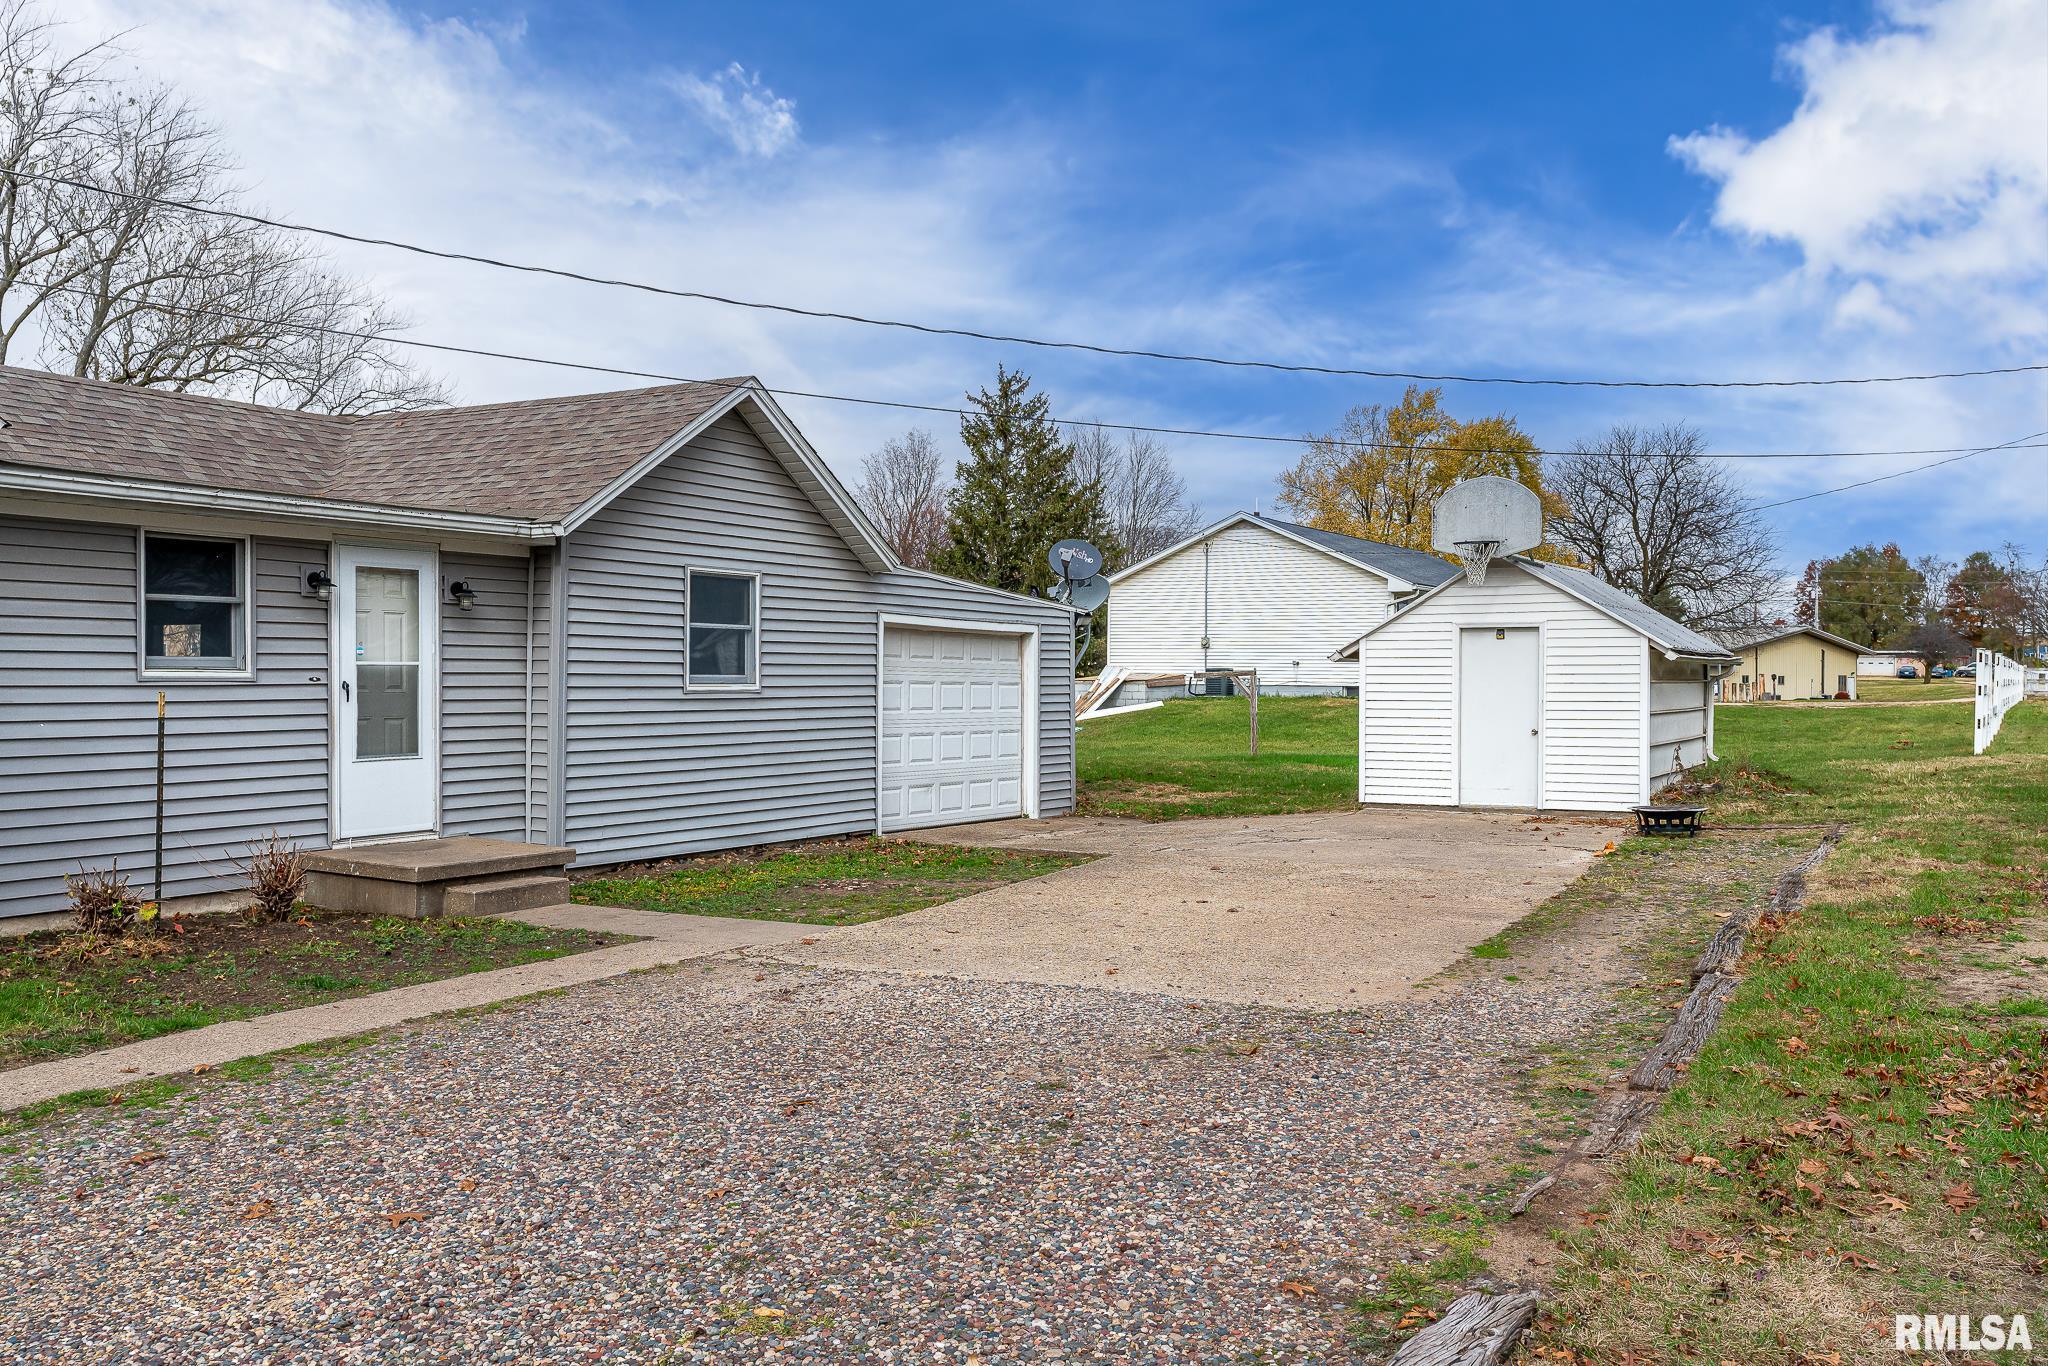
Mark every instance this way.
x=319 y=584
x=461 y=594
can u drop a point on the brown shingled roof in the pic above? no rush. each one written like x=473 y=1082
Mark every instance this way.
x=537 y=459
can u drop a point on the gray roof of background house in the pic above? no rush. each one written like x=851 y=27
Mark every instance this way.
x=1625 y=608
x=1416 y=566
x=1764 y=635
x=537 y=459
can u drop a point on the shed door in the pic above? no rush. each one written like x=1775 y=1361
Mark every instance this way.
x=1500 y=697
x=952 y=718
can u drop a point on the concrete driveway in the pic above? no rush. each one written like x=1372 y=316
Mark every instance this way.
x=1321 y=911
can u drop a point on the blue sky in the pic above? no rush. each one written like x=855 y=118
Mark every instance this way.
x=1646 y=191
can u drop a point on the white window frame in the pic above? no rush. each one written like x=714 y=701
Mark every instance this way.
x=245 y=562
x=753 y=683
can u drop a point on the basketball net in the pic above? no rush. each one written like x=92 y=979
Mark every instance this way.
x=1474 y=555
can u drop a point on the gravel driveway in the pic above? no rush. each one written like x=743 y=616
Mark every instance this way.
x=741 y=1159
x=894 y=1168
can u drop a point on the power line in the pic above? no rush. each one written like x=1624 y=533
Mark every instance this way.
x=1265 y=437
x=934 y=330
x=1900 y=474
x=628 y=373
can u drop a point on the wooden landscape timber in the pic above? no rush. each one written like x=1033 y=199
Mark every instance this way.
x=1484 y=1327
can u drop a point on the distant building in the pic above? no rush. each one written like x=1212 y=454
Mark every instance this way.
x=1779 y=663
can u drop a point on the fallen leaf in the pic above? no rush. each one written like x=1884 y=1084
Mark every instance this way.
x=144 y=1159
x=1959 y=1196
x=466 y=1184
x=402 y=1216
x=260 y=1210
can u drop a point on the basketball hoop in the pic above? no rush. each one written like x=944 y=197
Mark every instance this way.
x=1481 y=519
x=1474 y=555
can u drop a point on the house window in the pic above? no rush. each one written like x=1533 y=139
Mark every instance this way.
x=723 y=633
x=194 y=603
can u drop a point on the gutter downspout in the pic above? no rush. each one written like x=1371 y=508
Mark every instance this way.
x=529 y=698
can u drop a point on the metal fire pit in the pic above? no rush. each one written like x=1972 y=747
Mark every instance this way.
x=1668 y=820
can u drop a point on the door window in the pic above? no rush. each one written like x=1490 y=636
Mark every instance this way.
x=387 y=663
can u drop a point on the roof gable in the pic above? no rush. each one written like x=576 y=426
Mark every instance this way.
x=1403 y=569
x=1589 y=589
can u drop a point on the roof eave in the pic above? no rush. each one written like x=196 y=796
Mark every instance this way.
x=31 y=480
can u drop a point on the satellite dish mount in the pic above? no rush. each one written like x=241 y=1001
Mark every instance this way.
x=1479 y=520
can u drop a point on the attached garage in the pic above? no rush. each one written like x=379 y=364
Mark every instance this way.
x=957 y=724
x=1540 y=687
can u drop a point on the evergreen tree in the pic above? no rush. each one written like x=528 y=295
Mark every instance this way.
x=1016 y=493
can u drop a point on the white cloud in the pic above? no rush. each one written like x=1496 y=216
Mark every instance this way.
x=753 y=118
x=1916 y=155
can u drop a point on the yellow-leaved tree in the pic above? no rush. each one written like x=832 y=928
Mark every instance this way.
x=1378 y=475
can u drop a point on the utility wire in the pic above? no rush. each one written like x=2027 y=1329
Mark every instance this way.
x=1339 y=442
x=1901 y=474
x=933 y=330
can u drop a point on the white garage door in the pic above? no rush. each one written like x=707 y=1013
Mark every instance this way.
x=952 y=745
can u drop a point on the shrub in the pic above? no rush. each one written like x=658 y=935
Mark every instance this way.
x=100 y=899
x=277 y=875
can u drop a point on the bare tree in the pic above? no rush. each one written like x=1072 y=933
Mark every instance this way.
x=1144 y=500
x=1651 y=515
x=903 y=487
x=114 y=282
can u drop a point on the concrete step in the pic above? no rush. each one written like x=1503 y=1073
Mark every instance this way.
x=497 y=896
x=412 y=877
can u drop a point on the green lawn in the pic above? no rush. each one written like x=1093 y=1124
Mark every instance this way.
x=1913 y=689
x=62 y=994
x=1188 y=758
x=831 y=882
x=1867 y=1131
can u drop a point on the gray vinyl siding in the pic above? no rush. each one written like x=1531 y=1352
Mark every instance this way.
x=919 y=595
x=483 y=699
x=78 y=727
x=651 y=769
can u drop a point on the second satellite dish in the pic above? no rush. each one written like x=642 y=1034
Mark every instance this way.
x=1088 y=594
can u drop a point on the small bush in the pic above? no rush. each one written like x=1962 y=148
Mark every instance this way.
x=277 y=876
x=100 y=900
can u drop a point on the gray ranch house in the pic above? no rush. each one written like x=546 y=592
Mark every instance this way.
x=639 y=624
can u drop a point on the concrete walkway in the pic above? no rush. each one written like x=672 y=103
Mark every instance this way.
x=662 y=939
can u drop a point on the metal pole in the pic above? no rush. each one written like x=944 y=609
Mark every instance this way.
x=159 y=895
x=1255 y=712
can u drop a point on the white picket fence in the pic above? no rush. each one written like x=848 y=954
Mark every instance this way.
x=2001 y=683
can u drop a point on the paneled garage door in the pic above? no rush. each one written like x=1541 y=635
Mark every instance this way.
x=952 y=746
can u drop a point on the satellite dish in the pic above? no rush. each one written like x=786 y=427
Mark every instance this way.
x=1480 y=519
x=1072 y=559
x=1088 y=594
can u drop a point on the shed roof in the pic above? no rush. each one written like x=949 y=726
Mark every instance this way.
x=1596 y=593
x=1754 y=636
x=1404 y=567
x=537 y=459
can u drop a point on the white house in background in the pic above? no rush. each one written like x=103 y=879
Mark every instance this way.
x=1254 y=592
x=1887 y=663
x=1540 y=687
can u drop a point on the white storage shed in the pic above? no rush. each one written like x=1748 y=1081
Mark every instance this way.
x=1540 y=687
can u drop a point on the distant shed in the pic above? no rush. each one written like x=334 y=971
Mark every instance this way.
x=1541 y=687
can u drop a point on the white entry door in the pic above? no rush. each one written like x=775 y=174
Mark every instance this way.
x=386 y=691
x=952 y=718
x=1500 y=698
